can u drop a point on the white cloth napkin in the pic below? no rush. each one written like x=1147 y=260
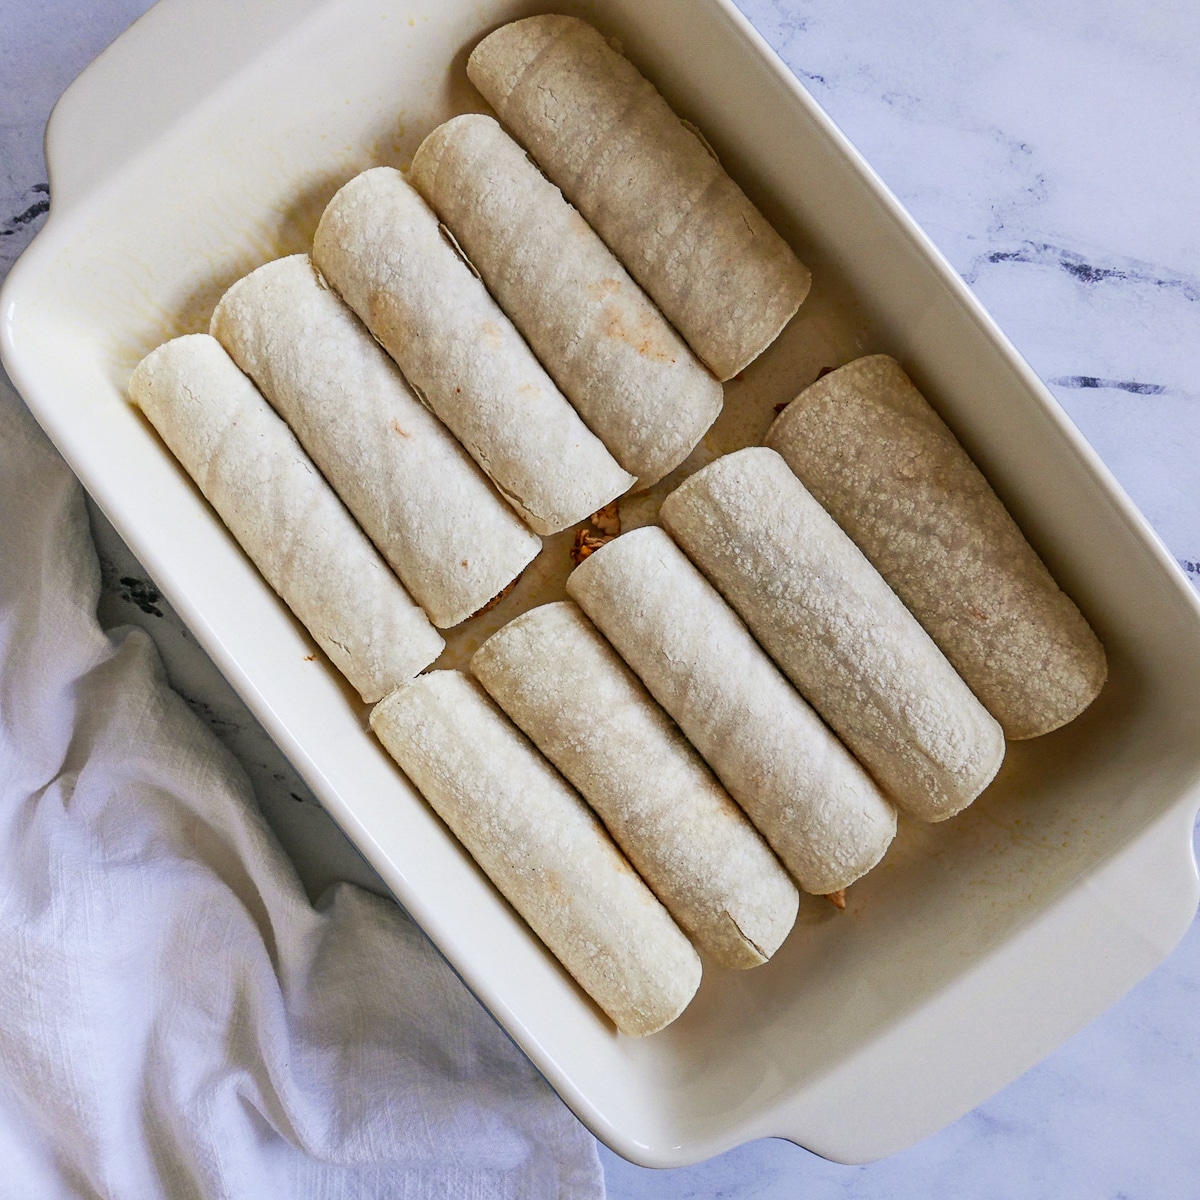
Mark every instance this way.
x=176 y=1020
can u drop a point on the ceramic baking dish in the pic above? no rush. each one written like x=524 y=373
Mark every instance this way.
x=206 y=141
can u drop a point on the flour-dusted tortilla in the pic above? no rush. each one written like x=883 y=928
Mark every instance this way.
x=815 y=805
x=538 y=842
x=379 y=244
x=837 y=630
x=431 y=512
x=286 y=517
x=870 y=448
x=568 y=689
x=646 y=182
x=627 y=372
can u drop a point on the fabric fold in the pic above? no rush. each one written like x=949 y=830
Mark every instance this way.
x=175 y=1018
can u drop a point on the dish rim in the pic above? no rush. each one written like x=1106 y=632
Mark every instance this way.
x=1159 y=841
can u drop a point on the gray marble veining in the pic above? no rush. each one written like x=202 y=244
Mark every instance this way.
x=1050 y=150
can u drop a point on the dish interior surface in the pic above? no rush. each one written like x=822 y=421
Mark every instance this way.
x=977 y=945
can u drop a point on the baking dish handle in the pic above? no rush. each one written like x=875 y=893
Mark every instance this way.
x=156 y=71
x=1017 y=1007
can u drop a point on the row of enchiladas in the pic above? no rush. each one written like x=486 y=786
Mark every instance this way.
x=686 y=703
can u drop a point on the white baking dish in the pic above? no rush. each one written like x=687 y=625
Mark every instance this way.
x=207 y=139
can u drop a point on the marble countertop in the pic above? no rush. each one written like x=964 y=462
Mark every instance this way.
x=1050 y=150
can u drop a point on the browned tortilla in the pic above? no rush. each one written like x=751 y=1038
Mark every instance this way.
x=815 y=805
x=838 y=632
x=627 y=372
x=648 y=185
x=433 y=514
x=568 y=689
x=380 y=246
x=869 y=447
x=542 y=847
x=285 y=516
